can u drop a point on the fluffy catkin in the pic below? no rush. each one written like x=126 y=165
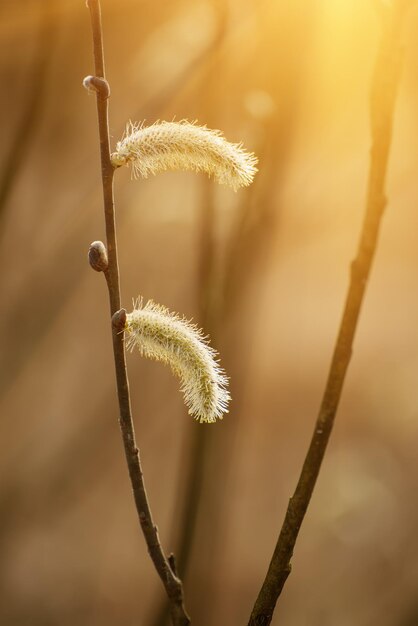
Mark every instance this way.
x=164 y=336
x=184 y=146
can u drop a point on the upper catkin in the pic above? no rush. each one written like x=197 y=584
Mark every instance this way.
x=164 y=336
x=184 y=146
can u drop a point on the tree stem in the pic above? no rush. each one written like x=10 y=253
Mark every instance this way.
x=171 y=582
x=384 y=88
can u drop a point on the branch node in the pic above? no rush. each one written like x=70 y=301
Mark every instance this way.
x=98 y=256
x=95 y=84
x=173 y=564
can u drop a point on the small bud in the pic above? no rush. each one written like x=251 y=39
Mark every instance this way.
x=95 y=84
x=119 y=321
x=98 y=256
x=88 y=84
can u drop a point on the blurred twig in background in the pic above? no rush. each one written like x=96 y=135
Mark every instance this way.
x=32 y=107
x=385 y=82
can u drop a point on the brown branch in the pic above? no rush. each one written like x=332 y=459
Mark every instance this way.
x=384 y=88
x=172 y=583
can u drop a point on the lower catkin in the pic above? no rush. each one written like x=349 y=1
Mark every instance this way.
x=164 y=336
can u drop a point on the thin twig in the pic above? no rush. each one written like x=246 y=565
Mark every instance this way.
x=172 y=583
x=384 y=88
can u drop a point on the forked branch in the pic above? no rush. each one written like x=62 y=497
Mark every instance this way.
x=384 y=88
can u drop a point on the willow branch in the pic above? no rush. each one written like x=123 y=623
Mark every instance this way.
x=384 y=88
x=108 y=263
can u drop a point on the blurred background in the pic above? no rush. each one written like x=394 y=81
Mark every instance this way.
x=264 y=271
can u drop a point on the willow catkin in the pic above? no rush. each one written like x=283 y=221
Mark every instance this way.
x=184 y=146
x=164 y=336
